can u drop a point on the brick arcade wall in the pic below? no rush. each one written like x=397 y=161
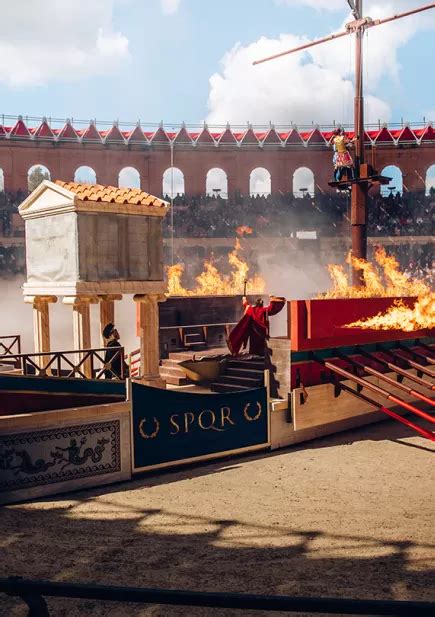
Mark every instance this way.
x=107 y=160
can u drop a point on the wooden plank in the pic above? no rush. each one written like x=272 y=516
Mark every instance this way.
x=322 y=407
x=298 y=323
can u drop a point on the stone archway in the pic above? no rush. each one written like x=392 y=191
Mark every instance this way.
x=129 y=177
x=303 y=182
x=173 y=182
x=430 y=180
x=36 y=175
x=85 y=175
x=396 y=183
x=216 y=183
x=260 y=182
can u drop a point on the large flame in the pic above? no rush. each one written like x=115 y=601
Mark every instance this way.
x=386 y=281
x=212 y=283
x=243 y=229
x=401 y=317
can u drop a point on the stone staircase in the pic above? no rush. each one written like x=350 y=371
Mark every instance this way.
x=240 y=374
x=173 y=374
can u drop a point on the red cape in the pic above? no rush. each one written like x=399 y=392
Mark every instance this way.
x=254 y=327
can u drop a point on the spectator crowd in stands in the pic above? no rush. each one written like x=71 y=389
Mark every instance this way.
x=284 y=215
x=397 y=215
x=268 y=215
x=280 y=214
x=12 y=252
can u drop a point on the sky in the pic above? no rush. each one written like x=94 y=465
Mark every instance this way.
x=191 y=60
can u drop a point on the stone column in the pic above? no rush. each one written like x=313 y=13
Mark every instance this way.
x=81 y=327
x=107 y=312
x=149 y=338
x=41 y=324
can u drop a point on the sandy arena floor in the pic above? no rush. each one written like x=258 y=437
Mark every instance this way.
x=346 y=516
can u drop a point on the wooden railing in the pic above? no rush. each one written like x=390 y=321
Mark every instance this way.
x=73 y=364
x=134 y=362
x=33 y=593
x=9 y=345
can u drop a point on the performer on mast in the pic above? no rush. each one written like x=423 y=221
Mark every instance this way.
x=342 y=159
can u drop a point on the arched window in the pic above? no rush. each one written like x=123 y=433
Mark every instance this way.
x=259 y=182
x=85 y=175
x=303 y=182
x=216 y=183
x=129 y=178
x=2 y=180
x=35 y=175
x=396 y=183
x=430 y=180
x=173 y=182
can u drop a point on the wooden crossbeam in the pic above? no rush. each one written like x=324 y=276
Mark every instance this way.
x=351 y=27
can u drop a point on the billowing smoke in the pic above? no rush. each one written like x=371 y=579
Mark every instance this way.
x=17 y=318
x=297 y=275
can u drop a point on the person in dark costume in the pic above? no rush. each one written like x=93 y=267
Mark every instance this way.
x=254 y=326
x=113 y=358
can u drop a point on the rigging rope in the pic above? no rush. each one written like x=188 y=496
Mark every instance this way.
x=348 y=110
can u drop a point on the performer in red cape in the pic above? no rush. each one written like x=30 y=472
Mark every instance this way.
x=254 y=326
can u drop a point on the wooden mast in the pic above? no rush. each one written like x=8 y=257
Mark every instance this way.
x=359 y=191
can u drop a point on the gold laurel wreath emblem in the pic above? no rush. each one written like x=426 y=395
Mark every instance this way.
x=252 y=418
x=149 y=435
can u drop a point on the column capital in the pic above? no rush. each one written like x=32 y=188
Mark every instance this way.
x=79 y=300
x=35 y=300
x=109 y=297
x=149 y=298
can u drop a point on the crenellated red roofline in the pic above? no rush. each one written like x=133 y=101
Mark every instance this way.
x=292 y=137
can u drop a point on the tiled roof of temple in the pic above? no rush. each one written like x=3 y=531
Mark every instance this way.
x=111 y=194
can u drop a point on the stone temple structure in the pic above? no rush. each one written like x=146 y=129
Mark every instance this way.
x=90 y=244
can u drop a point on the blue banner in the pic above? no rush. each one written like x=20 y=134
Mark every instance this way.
x=170 y=426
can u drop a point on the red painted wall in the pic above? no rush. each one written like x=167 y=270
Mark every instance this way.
x=107 y=160
x=318 y=324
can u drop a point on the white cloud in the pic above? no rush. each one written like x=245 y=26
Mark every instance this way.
x=283 y=91
x=47 y=40
x=328 y=5
x=170 y=7
x=315 y=86
x=381 y=43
